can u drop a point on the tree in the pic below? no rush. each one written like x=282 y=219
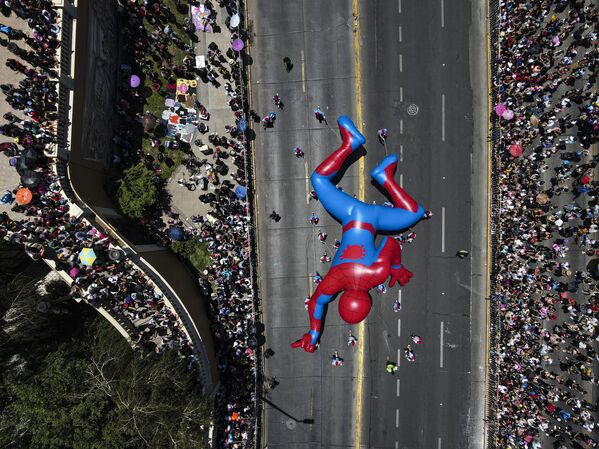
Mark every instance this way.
x=137 y=191
x=69 y=380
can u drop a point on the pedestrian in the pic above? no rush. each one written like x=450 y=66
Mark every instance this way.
x=351 y=340
x=320 y=115
x=391 y=367
x=287 y=63
x=382 y=135
x=336 y=360
x=462 y=254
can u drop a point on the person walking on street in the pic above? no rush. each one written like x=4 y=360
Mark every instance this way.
x=382 y=135
x=351 y=340
x=391 y=367
x=320 y=115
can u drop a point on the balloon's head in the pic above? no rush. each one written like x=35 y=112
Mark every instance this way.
x=354 y=306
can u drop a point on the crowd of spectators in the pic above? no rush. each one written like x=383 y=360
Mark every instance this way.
x=545 y=283
x=45 y=224
x=47 y=228
x=224 y=228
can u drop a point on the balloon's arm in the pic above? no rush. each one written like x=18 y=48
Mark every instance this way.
x=316 y=309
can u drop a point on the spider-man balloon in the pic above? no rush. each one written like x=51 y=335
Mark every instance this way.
x=358 y=265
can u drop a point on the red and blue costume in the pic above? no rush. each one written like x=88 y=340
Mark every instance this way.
x=358 y=265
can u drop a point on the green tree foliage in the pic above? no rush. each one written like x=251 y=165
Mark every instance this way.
x=69 y=380
x=194 y=251
x=137 y=191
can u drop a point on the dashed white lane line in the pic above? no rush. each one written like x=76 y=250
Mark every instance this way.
x=442 y=14
x=397 y=445
x=401 y=155
x=439 y=443
x=396 y=417
x=443 y=117
x=399 y=327
x=398 y=357
x=401 y=94
x=401 y=126
x=400 y=35
x=442 y=229
x=397 y=388
x=399 y=6
x=307 y=183
x=401 y=180
x=441 y=352
x=401 y=63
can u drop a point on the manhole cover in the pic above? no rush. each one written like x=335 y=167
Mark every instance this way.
x=413 y=109
x=291 y=423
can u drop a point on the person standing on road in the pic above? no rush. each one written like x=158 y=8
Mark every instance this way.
x=351 y=340
x=320 y=115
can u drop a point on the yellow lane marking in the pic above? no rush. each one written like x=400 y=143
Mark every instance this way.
x=361 y=197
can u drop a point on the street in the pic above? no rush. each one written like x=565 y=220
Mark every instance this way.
x=415 y=76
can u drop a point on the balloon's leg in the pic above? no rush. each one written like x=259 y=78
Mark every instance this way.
x=383 y=174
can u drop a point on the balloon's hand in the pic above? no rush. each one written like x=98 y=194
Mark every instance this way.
x=401 y=275
x=305 y=343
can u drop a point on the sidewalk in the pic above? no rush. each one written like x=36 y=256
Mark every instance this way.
x=184 y=201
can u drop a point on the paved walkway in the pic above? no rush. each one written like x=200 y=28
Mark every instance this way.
x=184 y=201
x=9 y=178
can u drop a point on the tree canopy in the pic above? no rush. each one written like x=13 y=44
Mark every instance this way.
x=69 y=380
x=137 y=191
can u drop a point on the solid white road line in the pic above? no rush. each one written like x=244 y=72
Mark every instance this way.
x=396 y=417
x=401 y=63
x=442 y=229
x=443 y=117
x=400 y=36
x=397 y=387
x=442 y=14
x=399 y=327
x=441 y=353
x=303 y=70
x=401 y=180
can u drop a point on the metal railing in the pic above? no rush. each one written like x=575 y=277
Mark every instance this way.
x=249 y=175
x=494 y=318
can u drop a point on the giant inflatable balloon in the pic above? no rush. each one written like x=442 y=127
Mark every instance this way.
x=358 y=265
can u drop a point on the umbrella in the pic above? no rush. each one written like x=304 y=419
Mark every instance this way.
x=240 y=192
x=237 y=44
x=183 y=88
x=13 y=161
x=516 y=150
x=115 y=254
x=542 y=198
x=534 y=120
x=73 y=272
x=30 y=179
x=235 y=19
x=555 y=41
x=87 y=256
x=148 y=121
x=23 y=196
x=500 y=109
x=134 y=81
x=242 y=125
x=508 y=114
x=584 y=180
x=175 y=233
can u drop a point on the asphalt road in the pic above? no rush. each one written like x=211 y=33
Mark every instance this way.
x=434 y=402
